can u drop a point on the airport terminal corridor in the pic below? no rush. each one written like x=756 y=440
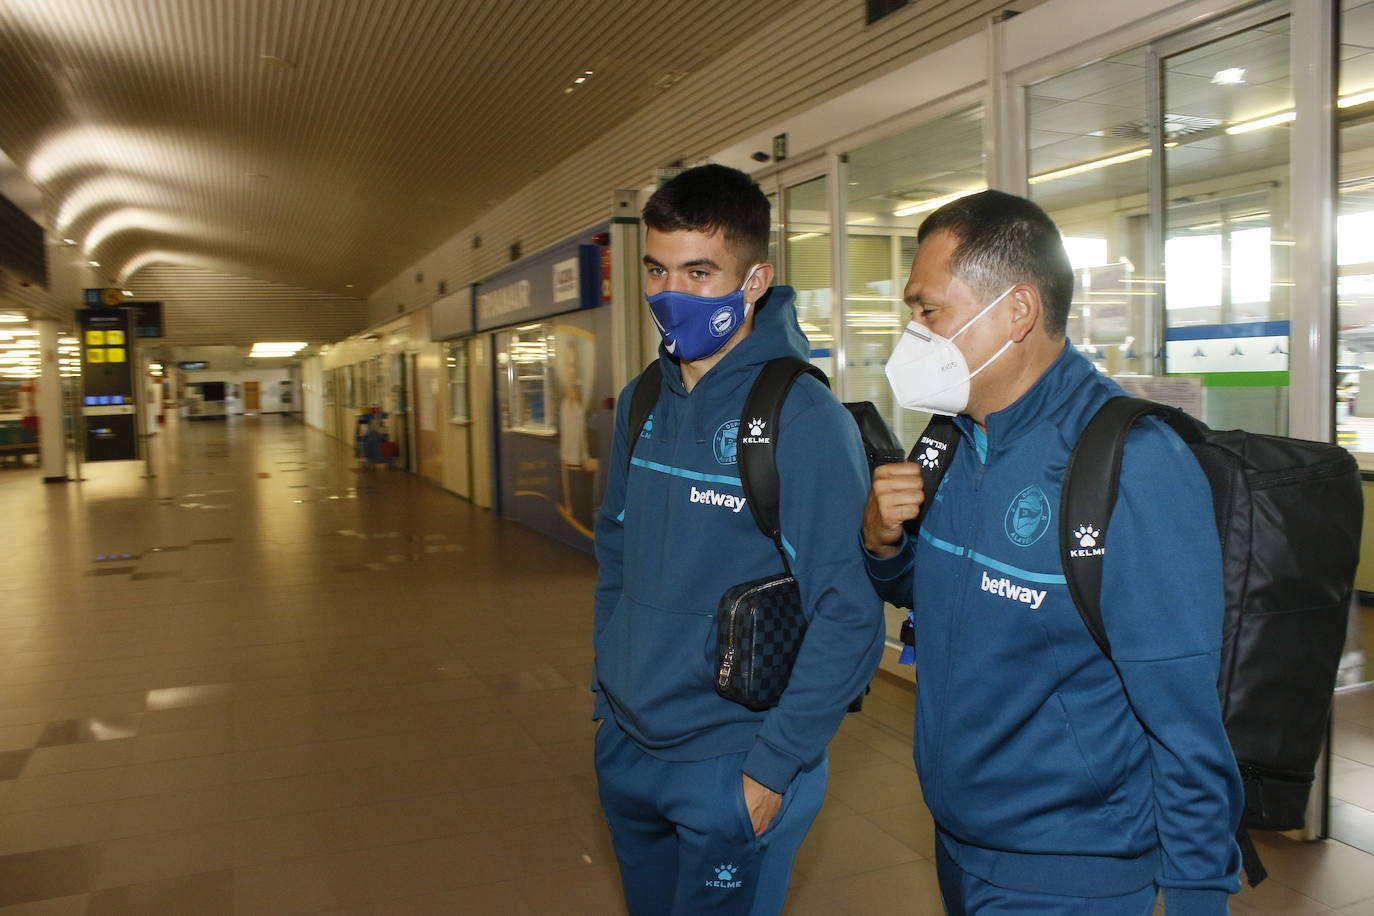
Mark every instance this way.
x=271 y=680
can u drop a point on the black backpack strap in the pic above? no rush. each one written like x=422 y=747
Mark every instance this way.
x=1088 y=496
x=934 y=452
x=642 y=403
x=756 y=441
x=881 y=446
x=1091 y=481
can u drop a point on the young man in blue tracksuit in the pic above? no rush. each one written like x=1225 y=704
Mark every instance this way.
x=1058 y=783
x=708 y=800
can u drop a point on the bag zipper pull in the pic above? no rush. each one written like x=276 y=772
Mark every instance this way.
x=724 y=678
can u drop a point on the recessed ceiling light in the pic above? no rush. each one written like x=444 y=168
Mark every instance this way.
x=1232 y=76
x=69 y=241
x=127 y=293
x=93 y=263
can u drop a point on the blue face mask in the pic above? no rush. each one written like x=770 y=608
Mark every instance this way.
x=695 y=327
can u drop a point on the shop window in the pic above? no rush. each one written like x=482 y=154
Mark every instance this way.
x=528 y=357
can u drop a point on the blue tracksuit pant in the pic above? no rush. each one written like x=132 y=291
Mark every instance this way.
x=683 y=836
x=966 y=895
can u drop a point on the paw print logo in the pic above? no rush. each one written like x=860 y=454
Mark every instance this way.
x=929 y=458
x=726 y=872
x=756 y=427
x=1087 y=535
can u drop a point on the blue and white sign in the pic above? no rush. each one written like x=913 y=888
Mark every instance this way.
x=560 y=278
x=1258 y=346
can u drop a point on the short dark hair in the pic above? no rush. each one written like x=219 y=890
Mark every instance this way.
x=714 y=198
x=1003 y=239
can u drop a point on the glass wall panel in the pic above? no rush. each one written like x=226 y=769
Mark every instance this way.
x=1089 y=141
x=774 y=229
x=806 y=264
x=1355 y=237
x=893 y=184
x=1211 y=304
x=1228 y=236
x=1351 y=811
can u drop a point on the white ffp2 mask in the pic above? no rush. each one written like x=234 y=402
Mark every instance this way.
x=928 y=372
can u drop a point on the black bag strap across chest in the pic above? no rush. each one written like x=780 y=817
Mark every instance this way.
x=756 y=441
x=756 y=438
x=934 y=452
x=642 y=404
x=1091 y=482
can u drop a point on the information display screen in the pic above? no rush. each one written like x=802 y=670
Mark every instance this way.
x=107 y=374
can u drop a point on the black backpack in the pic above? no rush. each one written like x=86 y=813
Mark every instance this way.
x=1288 y=514
x=757 y=458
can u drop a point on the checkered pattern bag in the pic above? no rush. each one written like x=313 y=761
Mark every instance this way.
x=759 y=629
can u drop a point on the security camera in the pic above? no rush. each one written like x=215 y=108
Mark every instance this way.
x=760 y=156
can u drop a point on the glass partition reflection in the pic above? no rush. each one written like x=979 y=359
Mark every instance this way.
x=1090 y=138
x=807 y=265
x=893 y=184
x=1355 y=236
x=1198 y=291
x=1228 y=238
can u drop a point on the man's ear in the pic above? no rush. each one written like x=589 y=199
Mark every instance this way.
x=758 y=284
x=1026 y=310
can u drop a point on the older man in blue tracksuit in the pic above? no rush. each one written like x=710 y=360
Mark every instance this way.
x=708 y=800
x=1058 y=783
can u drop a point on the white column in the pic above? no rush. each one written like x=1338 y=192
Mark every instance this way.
x=1004 y=119
x=627 y=305
x=1312 y=344
x=1311 y=404
x=52 y=438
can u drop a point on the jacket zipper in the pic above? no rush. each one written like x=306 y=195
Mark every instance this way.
x=958 y=610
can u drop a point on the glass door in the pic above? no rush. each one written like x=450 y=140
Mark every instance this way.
x=1228 y=239
x=1169 y=169
x=804 y=242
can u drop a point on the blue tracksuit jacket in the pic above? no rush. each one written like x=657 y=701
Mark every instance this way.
x=674 y=533
x=1031 y=758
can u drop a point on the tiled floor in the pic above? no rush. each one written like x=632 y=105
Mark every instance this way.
x=268 y=682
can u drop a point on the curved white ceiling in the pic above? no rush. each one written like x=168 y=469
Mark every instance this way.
x=322 y=143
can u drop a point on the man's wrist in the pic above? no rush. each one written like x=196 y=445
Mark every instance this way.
x=882 y=550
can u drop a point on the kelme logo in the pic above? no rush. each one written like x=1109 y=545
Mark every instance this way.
x=756 y=436
x=724 y=877
x=1028 y=517
x=1088 y=539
